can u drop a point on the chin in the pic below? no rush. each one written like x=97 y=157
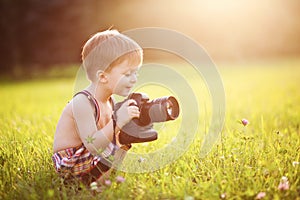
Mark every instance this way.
x=123 y=94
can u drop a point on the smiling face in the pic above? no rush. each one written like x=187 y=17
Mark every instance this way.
x=122 y=77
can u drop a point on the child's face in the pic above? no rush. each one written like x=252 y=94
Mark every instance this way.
x=122 y=77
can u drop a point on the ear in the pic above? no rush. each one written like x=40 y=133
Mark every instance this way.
x=101 y=76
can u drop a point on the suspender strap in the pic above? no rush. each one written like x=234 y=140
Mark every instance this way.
x=97 y=110
x=114 y=141
x=93 y=102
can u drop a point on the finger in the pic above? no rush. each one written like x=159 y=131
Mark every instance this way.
x=131 y=102
x=135 y=115
x=133 y=109
x=136 y=112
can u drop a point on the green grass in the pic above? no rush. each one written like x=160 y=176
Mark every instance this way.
x=245 y=161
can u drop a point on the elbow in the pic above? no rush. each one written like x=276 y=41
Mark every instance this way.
x=93 y=149
x=96 y=143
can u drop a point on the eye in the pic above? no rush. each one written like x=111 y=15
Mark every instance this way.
x=136 y=73
x=127 y=74
x=130 y=73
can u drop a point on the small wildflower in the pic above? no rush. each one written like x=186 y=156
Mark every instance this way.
x=93 y=186
x=145 y=144
x=120 y=179
x=223 y=196
x=260 y=195
x=284 y=184
x=284 y=179
x=188 y=198
x=245 y=122
x=141 y=159
x=107 y=182
x=295 y=163
x=174 y=139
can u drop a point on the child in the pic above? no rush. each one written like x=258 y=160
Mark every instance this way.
x=86 y=138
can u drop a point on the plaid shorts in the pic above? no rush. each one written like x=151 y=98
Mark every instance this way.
x=79 y=163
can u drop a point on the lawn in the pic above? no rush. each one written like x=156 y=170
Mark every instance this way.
x=245 y=161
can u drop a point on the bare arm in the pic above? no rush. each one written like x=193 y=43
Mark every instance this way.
x=97 y=140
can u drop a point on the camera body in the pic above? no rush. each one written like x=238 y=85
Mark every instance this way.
x=157 y=110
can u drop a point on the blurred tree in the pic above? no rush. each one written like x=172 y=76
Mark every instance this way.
x=38 y=34
x=9 y=23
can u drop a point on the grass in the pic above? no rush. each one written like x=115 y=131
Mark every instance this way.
x=246 y=160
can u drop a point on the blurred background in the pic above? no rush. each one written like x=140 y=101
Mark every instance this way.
x=40 y=34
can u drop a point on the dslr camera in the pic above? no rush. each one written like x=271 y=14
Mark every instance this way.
x=157 y=110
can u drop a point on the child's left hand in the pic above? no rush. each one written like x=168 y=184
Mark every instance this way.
x=126 y=112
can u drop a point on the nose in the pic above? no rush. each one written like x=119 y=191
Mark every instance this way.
x=133 y=78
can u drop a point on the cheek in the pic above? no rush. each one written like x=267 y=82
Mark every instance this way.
x=117 y=82
x=114 y=80
x=122 y=81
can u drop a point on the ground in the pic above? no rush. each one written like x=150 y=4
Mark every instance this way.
x=246 y=160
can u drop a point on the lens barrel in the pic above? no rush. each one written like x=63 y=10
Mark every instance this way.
x=159 y=110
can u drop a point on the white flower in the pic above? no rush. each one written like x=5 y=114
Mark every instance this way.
x=94 y=186
x=284 y=179
x=141 y=159
x=188 y=198
x=223 y=196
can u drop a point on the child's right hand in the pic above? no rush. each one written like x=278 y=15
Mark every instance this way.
x=126 y=112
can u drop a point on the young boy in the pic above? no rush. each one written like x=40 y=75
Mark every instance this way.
x=86 y=138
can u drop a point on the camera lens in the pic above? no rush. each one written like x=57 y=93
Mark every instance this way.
x=169 y=107
x=172 y=108
x=160 y=110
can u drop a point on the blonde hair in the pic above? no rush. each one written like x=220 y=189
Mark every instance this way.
x=107 y=49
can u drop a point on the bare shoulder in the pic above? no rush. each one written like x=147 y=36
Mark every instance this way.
x=84 y=116
x=81 y=104
x=66 y=135
x=81 y=100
